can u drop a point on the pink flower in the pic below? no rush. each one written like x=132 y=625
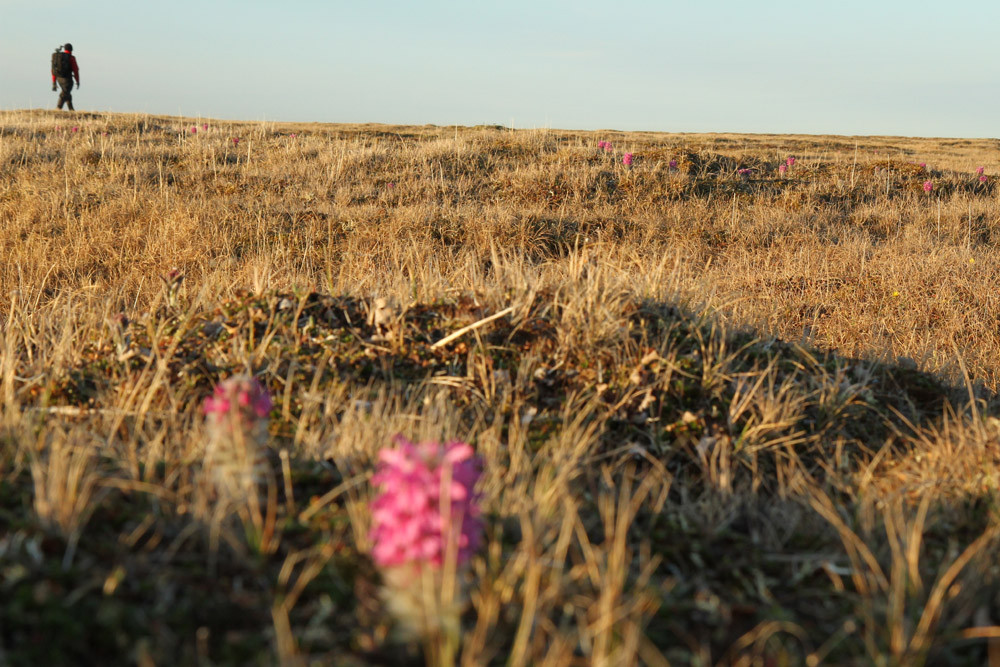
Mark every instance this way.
x=627 y=159
x=426 y=504
x=602 y=144
x=292 y=135
x=928 y=186
x=782 y=168
x=236 y=140
x=240 y=398
x=236 y=415
x=982 y=179
x=673 y=164
x=790 y=161
x=194 y=130
x=607 y=146
x=980 y=170
x=204 y=126
x=76 y=129
x=745 y=172
x=922 y=165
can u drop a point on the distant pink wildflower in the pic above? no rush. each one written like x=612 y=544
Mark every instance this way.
x=922 y=165
x=76 y=129
x=607 y=146
x=790 y=161
x=745 y=172
x=627 y=159
x=236 y=418
x=236 y=140
x=980 y=170
x=782 y=169
x=928 y=186
x=293 y=135
x=239 y=397
x=426 y=504
x=194 y=130
x=602 y=144
x=204 y=126
x=673 y=164
x=982 y=178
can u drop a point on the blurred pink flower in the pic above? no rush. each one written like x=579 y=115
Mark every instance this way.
x=607 y=146
x=602 y=144
x=982 y=178
x=236 y=414
x=292 y=135
x=425 y=504
x=239 y=397
x=204 y=126
x=782 y=168
x=236 y=140
x=194 y=130
x=627 y=159
x=673 y=164
x=980 y=170
x=922 y=165
x=790 y=161
x=928 y=186
x=236 y=423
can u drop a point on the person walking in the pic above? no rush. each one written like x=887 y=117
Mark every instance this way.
x=64 y=70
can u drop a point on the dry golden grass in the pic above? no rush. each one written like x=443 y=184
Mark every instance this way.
x=725 y=418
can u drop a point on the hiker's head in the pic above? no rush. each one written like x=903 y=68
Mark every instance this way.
x=68 y=47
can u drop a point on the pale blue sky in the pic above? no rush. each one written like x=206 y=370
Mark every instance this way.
x=843 y=67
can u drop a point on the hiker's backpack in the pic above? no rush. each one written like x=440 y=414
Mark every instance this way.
x=61 y=66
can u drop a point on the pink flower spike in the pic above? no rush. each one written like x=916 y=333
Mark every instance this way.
x=241 y=398
x=982 y=179
x=922 y=165
x=782 y=168
x=76 y=129
x=236 y=140
x=204 y=126
x=673 y=164
x=602 y=144
x=627 y=159
x=292 y=135
x=425 y=504
x=790 y=161
x=980 y=170
x=928 y=186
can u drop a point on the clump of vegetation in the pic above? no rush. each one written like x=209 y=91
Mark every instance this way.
x=729 y=407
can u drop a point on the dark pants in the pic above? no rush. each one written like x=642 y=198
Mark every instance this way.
x=65 y=97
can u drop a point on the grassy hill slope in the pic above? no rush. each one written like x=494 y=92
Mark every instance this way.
x=728 y=412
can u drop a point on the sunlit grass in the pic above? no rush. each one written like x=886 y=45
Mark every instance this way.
x=732 y=406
